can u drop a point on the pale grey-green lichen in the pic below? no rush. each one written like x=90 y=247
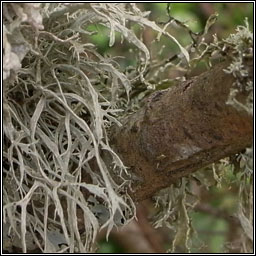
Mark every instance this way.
x=60 y=97
x=241 y=49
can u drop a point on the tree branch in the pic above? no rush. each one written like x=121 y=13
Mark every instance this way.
x=182 y=129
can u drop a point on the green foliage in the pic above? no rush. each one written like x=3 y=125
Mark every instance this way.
x=109 y=247
x=212 y=233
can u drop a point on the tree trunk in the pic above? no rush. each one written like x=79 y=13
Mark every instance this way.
x=182 y=129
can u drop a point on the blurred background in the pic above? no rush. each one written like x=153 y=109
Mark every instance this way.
x=215 y=228
x=194 y=15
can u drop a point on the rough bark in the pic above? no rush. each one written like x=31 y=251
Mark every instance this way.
x=180 y=130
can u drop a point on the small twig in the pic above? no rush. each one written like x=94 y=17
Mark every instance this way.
x=58 y=39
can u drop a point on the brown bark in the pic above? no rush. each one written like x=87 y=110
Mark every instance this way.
x=182 y=129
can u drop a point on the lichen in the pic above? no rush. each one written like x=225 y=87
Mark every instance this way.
x=61 y=96
x=240 y=45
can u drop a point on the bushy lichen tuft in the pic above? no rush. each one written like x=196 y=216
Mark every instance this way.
x=240 y=46
x=60 y=97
